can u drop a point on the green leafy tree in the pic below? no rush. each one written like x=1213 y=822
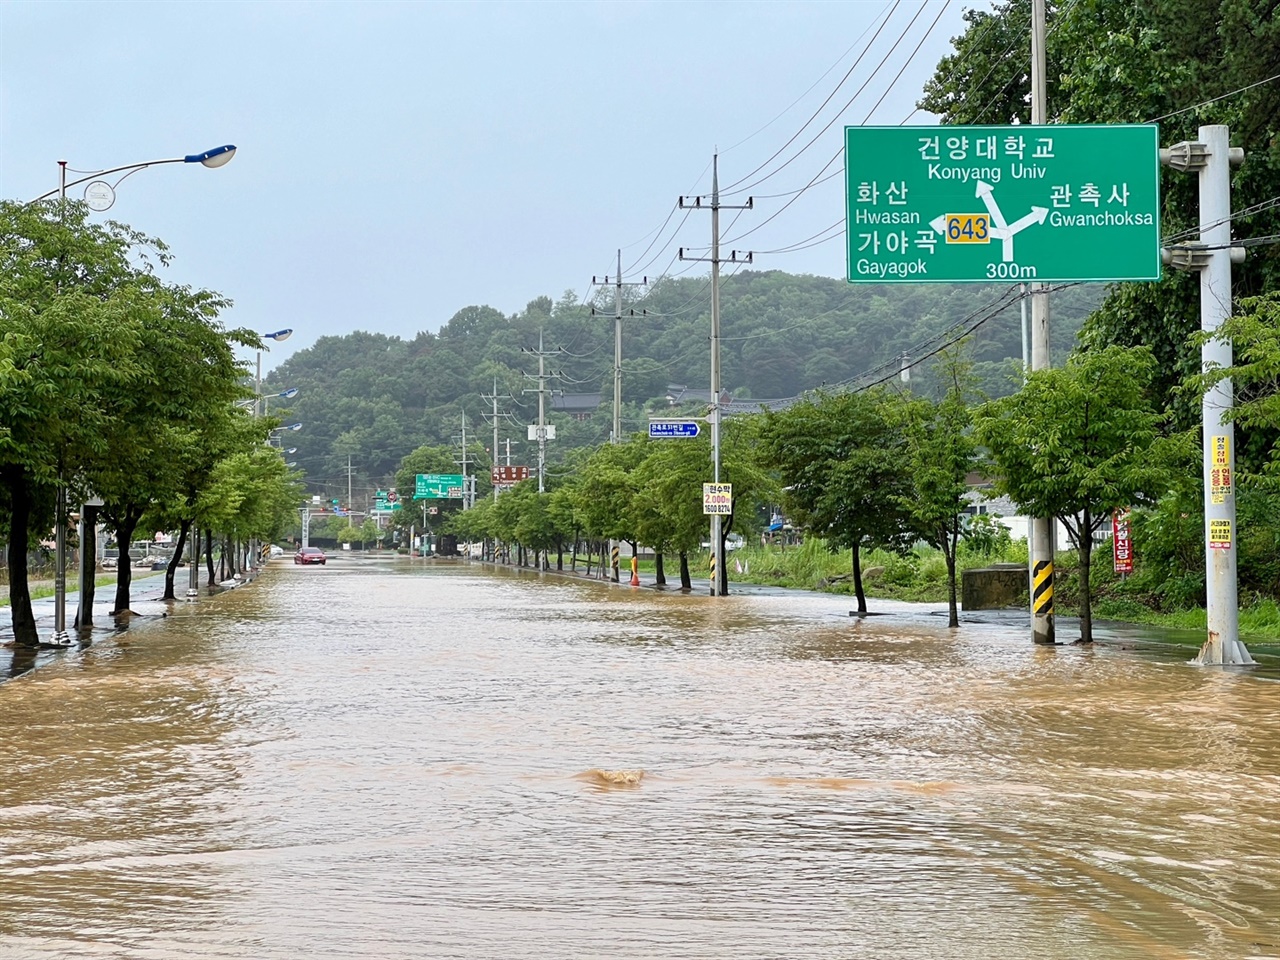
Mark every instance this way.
x=605 y=488
x=536 y=527
x=1077 y=443
x=225 y=431
x=843 y=471
x=941 y=452
x=667 y=499
x=72 y=314
x=250 y=495
x=189 y=379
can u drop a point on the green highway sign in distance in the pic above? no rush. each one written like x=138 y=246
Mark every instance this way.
x=987 y=204
x=438 y=486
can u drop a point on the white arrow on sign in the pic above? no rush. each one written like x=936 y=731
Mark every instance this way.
x=1036 y=215
x=1006 y=234
x=984 y=193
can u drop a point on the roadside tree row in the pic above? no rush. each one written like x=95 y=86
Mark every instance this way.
x=882 y=468
x=117 y=385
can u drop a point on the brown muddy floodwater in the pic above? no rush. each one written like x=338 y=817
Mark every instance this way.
x=389 y=760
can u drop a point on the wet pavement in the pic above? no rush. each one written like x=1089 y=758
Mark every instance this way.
x=391 y=759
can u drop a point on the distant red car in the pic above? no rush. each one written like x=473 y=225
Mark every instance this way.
x=309 y=555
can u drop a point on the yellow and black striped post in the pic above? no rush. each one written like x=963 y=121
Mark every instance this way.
x=714 y=579
x=614 y=578
x=1042 y=601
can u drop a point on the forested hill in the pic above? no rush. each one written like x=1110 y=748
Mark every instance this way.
x=374 y=398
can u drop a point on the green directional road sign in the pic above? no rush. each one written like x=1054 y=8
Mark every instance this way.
x=439 y=486
x=991 y=204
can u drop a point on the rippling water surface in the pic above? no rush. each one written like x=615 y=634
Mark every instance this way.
x=386 y=760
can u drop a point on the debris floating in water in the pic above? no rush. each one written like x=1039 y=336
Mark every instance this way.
x=613 y=778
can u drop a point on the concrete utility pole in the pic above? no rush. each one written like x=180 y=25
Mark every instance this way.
x=468 y=490
x=719 y=575
x=1213 y=156
x=616 y=435
x=543 y=432
x=351 y=519
x=494 y=418
x=1040 y=542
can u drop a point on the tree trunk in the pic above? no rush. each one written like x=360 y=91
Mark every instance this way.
x=88 y=550
x=560 y=555
x=222 y=559
x=126 y=524
x=208 y=555
x=857 y=579
x=723 y=572
x=1084 y=548
x=949 y=540
x=171 y=570
x=685 y=582
x=660 y=575
x=24 y=621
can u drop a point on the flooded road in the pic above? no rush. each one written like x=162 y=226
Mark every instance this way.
x=386 y=760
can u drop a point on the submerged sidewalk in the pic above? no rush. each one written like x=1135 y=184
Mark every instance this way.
x=145 y=594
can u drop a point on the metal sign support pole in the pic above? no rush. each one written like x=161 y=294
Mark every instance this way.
x=1219 y=442
x=1212 y=157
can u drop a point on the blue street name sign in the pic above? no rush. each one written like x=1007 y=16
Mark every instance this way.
x=669 y=429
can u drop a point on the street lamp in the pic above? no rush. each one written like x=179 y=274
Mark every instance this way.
x=99 y=195
x=248 y=402
x=277 y=433
x=277 y=337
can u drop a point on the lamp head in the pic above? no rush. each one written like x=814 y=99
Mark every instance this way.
x=293 y=426
x=288 y=394
x=279 y=335
x=212 y=158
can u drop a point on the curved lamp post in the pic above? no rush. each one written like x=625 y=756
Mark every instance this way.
x=248 y=402
x=99 y=195
x=257 y=389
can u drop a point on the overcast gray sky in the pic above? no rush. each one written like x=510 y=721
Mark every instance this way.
x=399 y=161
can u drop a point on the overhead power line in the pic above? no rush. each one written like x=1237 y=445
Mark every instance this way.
x=822 y=106
x=840 y=113
x=1205 y=103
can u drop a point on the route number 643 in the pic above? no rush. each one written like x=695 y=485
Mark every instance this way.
x=968 y=228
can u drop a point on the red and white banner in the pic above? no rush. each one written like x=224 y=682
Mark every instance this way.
x=1122 y=541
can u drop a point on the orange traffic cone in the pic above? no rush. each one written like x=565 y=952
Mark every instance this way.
x=635 y=571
